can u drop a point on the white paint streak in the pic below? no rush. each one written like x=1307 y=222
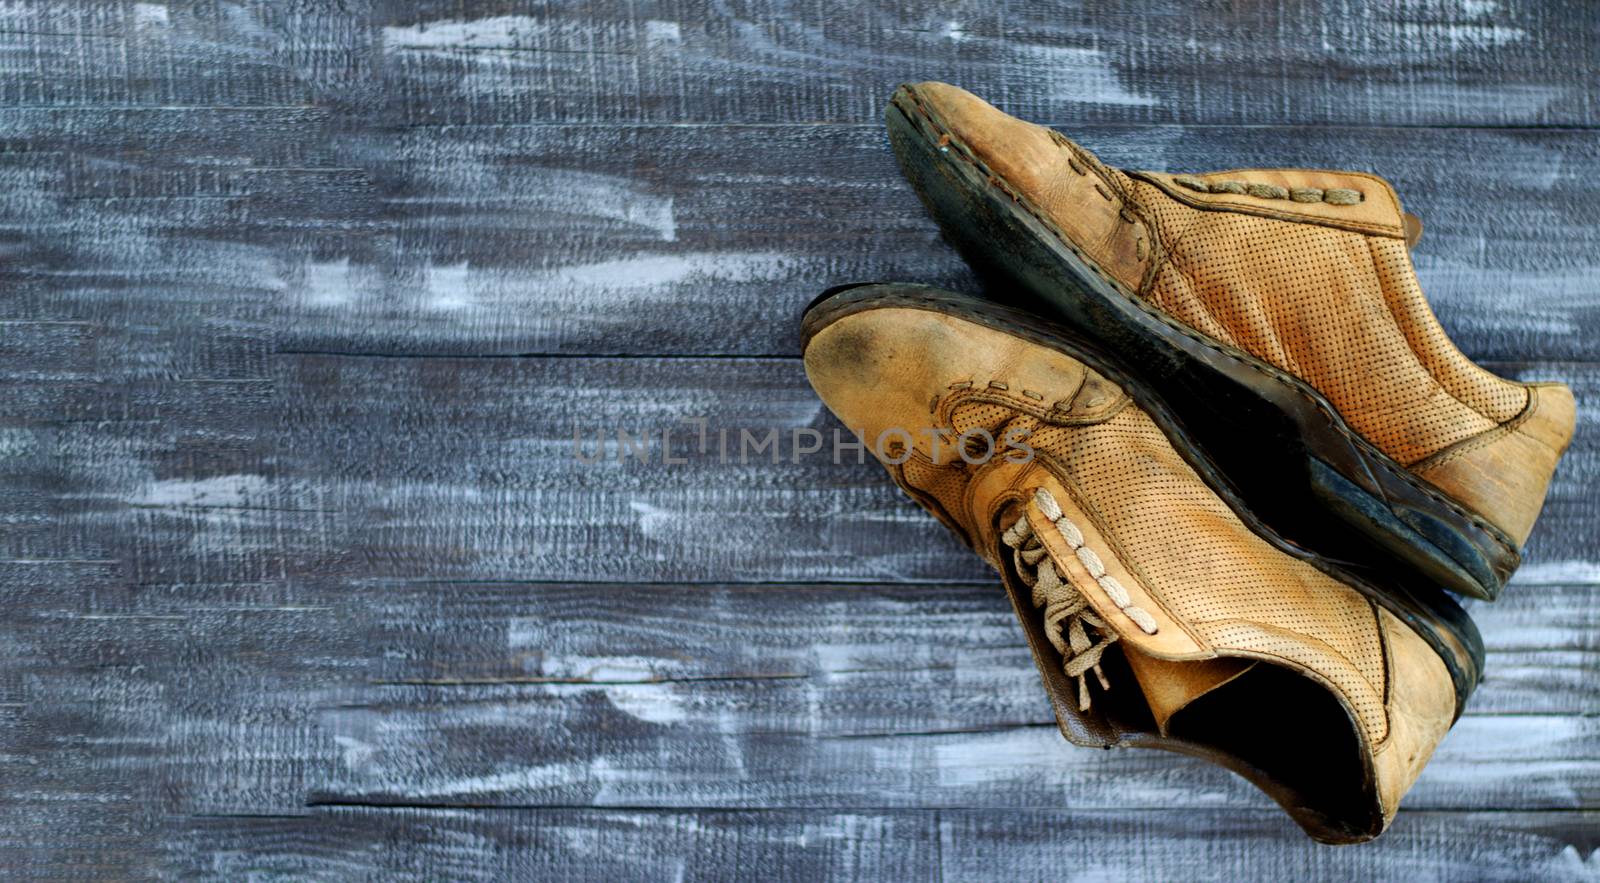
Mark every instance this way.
x=1556 y=573
x=1456 y=38
x=494 y=180
x=466 y=296
x=497 y=32
x=353 y=752
x=449 y=287
x=220 y=490
x=840 y=657
x=1039 y=757
x=1079 y=75
x=651 y=703
x=150 y=15
x=15 y=442
x=529 y=633
x=1508 y=302
x=654 y=271
x=326 y=284
x=659 y=34
x=1000 y=757
x=525 y=779
x=524 y=632
x=567 y=193
x=653 y=519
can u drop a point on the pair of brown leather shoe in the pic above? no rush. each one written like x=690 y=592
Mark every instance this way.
x=1215 y=442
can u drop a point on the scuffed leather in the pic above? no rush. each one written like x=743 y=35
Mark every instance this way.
x=1083 y=197
x=1321 y=291
x=1419 y=716
x=920 y=369
x=1505 y=471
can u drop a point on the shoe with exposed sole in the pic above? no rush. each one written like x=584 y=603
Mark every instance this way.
x=1276 y=313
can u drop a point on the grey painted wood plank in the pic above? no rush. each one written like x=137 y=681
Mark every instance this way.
x=297 y=229
x=1227 y=846
x=248 y=467
x=404 y=844
x=820 y=844
x=694 y=61
x=263 y=697
x=560 y=845
x=238 y=577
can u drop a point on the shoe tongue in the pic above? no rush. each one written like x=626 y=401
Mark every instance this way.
x=1169 y=687
x=1054 y=558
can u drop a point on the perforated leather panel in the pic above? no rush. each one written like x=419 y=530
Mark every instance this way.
x=1191 y=551
x=1211 y=571
x=1338 y=309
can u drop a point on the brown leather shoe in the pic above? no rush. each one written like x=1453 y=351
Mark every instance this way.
x=1157 y=615
x=1276 y=313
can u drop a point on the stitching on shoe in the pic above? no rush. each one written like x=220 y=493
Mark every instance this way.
x=1389 y=310
x=1050 y=415
x=1091 y=562
x=1332 y=195
x=1336 y=423
x=1129 y=562
x=1288 y=213
x=1483 y=439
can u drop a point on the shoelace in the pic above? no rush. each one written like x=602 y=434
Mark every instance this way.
x=1067 y=614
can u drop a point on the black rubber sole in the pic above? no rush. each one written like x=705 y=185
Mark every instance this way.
x=1280 y=446
x=1431 y=613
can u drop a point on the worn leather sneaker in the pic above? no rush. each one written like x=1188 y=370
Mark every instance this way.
x=1159 y=615
x=1277 y=313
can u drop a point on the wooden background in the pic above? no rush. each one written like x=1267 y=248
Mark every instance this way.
x=303 y=301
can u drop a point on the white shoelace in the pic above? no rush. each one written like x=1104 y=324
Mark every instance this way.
x=1067 y=614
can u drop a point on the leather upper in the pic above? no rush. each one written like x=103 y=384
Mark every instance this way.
x=1376 y=209
x=1306 y=270
x=1083 y=197
x=1214 y=600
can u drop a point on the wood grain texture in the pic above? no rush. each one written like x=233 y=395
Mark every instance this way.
x=262 y=698
x=314 y=466
x=1419 y=62
x=625 y=845
x=303 y=303
x=249 y=701
x=876 y=845
x=299 y=229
